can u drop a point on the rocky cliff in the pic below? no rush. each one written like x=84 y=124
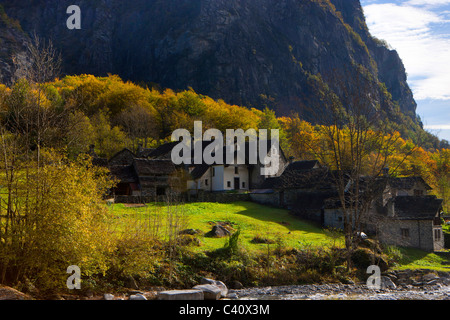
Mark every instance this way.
x=279 y=53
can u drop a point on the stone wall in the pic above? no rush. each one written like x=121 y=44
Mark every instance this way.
x=268 y=199
x=333 y=218
x=420 y=233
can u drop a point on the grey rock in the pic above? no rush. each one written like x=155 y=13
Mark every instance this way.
x=108 y=296
x=181 y=295
x=387 y=283
x=137 y=296
x=429 y=277
x=210 y=292
x=223 y=288
x=232 y=295
x=218 y=231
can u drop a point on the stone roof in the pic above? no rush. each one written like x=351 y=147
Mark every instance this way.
x=199 y=171
x=162 y=152
x=303 y=165
x=318 y=179
x=153 y=167
x=407 y=183
x=123 y=157
x=417 y=208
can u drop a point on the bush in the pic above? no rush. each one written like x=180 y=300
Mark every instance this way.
x=394 y=254
x=62 y=222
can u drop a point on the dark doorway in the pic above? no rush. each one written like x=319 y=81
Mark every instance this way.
x=236 y=183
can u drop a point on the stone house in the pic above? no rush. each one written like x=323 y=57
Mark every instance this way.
x=142 y=179
x=303 y=188
x=402 y=214
x=242 y=176
x=151 y=174
x=413 y=221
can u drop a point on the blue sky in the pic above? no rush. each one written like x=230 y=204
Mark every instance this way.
x=420 y=31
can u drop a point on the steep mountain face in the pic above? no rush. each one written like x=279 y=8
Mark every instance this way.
x=12 y=46
x=279 y=53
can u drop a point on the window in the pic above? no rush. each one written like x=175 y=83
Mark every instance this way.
x=236 y=170
x=405 y=233
x=206 y=182
x=437 y=234
x=228 y=184
x=418 y=193
x=243 y=185
x=160 y=191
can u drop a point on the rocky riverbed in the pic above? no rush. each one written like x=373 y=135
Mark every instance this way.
x=395 y=285
x=343 y=292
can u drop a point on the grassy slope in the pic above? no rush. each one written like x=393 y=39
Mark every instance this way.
x=256 y=220
x=251 y=218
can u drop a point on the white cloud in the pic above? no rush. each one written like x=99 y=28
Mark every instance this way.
x=429 y=3
x=409 y=28
x=438 y=127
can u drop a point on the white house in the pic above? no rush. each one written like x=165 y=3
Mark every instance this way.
x=237 y=177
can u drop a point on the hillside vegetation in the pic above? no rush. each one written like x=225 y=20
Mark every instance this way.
x=112 y=114
x=46 y=128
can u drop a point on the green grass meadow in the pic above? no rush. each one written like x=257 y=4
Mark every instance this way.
x=253 y=221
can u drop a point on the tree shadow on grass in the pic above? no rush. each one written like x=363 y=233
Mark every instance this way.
x=279 y=216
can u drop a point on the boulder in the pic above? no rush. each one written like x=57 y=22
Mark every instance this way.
x=430 y=277
x=387 y=283
x=8 y=293
x=137 y=296
x=210 y=291
x=218 y=231
x=108 y=296
x=233 y=295
x=181 y=295
x=223 y=288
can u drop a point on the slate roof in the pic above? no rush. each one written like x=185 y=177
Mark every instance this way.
x=127 y=160
x=417 y=208
x=153 y=167
x=301 y=179
x=199 y=171
x=302 y=165
x=407 y=183
x=162 y=152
